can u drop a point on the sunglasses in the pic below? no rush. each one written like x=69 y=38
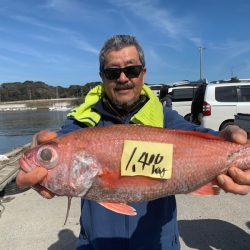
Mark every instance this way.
x=130 y=72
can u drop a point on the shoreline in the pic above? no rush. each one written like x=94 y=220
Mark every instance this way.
x=40 y=104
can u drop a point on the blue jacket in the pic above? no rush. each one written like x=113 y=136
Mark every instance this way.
x=155 y=225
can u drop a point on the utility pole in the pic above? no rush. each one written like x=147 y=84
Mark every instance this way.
x=232 y=72
x=201 y=50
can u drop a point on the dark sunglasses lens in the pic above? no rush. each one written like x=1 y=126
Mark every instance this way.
x=112 y=74
x=132 y=71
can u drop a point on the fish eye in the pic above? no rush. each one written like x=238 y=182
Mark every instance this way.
x=46 y=154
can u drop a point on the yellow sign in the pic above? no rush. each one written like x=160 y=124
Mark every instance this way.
x=145 y=158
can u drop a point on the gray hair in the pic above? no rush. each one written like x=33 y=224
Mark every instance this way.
x=118 y=42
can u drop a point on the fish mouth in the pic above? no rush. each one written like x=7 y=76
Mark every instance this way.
x=24 y=165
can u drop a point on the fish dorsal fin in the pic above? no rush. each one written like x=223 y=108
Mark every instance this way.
x=200 y=134
x=68 y=208
x=120 y=208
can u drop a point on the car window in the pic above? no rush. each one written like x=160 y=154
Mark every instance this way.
x=185 y=94
x=226 y=94
x=244 y=94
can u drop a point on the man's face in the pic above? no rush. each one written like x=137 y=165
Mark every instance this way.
x=123 y=90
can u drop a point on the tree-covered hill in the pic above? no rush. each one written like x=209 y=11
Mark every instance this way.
x=33 y=90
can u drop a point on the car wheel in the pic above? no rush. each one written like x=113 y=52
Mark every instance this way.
x=187 y=117
x=224 y=125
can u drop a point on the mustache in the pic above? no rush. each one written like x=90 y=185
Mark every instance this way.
x=124 y=86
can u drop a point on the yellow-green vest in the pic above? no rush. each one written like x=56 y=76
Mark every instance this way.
x=150 y=114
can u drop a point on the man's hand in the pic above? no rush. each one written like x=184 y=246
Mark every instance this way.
x=236 y=181
x=38 y=174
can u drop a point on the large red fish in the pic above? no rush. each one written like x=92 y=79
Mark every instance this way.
x=87 y=163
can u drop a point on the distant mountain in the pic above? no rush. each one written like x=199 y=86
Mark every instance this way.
x=30 y=90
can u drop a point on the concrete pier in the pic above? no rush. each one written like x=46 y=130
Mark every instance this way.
x=40 y=104
x=9 y=168
x=30 y=222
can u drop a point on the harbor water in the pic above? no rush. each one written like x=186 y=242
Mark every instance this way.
x=18 y=127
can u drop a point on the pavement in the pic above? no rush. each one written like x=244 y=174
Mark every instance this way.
x=28 y=222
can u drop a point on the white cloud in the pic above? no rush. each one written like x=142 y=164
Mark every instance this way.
x=70 y=35
x=38 y=23
x=197 y=41
x=59 y=5
x=232 y=48
x=164 y=20
x=43 y=38
x=69 y=8
x=12 y=61
x=84 y=46
x=20 y=48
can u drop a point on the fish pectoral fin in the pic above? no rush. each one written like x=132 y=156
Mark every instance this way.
x=209 y=189
x=120 y=208
x=68 y=208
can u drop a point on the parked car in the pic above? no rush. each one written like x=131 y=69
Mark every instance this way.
x=215 y=105
x=182 y=95
x=157 y=88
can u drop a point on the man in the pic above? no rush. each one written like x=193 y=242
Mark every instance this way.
x=123 y=98
x=165 y=97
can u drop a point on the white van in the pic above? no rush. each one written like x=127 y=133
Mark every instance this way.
x=215 y=105
x=157 y=88
x=182 y=95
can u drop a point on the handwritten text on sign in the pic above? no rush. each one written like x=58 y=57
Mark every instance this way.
x=147 y=158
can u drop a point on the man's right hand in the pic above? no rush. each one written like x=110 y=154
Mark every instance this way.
x=33 y=178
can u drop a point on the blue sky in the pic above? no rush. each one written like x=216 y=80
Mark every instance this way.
x=58 y=41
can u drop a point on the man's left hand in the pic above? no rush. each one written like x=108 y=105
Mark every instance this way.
x=236 y=181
